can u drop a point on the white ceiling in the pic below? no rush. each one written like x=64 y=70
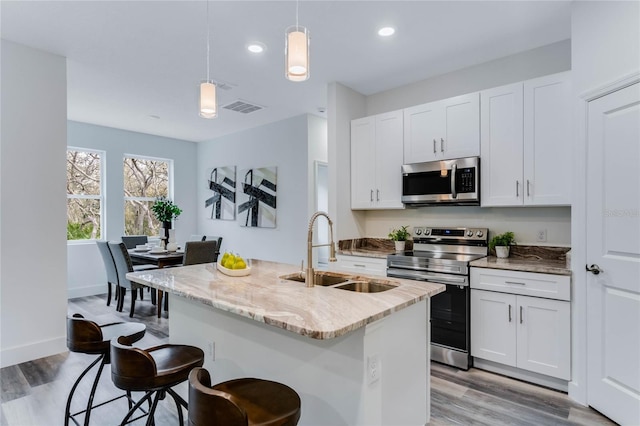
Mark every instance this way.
x=129 y=60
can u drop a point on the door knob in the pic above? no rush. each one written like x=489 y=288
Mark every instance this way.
x=594 y=269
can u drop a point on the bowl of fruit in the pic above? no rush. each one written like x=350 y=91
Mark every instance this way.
x=233 y=265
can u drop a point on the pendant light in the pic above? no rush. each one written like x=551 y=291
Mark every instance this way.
x=297 y=52
x=208 y=98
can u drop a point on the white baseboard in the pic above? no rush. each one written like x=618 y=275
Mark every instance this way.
x=518 y=373
x=19 y=354
x=88 y=291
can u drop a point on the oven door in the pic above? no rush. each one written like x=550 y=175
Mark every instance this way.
x=450 y=318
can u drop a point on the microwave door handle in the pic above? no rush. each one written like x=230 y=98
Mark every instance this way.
x=454 y=168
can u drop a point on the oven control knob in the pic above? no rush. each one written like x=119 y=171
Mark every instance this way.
x=427 y=231
x=469 y=233
x=418 y=231
x=480 y=233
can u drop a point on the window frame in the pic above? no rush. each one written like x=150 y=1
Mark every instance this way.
x=101 y=198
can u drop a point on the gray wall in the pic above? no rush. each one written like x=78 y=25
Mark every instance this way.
x=86 y=273
x=283 y=144
x=33 y=297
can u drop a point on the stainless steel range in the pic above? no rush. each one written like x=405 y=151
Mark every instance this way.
x=442 y=255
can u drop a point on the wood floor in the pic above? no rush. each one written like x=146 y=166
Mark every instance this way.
x=34 y=393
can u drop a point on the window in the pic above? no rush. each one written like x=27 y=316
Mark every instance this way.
x=84 y=194
x=145 y=179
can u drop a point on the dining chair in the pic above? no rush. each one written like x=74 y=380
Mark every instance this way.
x=110 y=266
x=131 y=241
x=200 y=252
x=214 y=238
x=123 y=266
x=197 y=237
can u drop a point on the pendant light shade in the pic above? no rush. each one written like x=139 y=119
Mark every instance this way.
x=208 y=99
x=297 y=53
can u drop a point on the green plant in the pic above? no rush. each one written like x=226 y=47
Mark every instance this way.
x=505 y=239
x=400 y=234
x=164 y=210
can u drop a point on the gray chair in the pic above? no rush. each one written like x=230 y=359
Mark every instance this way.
x=214 y=238
x=200 y=252
x=197 y=237
x=131 y=241
x=110 y=266
x=123 y=266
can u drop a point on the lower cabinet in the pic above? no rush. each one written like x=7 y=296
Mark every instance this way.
x=360 y=265
x=529 y=333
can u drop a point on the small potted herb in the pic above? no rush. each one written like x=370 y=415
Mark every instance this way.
x=501 y=243
x=399 y=236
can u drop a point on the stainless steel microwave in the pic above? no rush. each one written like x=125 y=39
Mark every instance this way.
x=447 y=182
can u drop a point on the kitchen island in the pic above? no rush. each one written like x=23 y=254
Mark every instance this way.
x=354 y=358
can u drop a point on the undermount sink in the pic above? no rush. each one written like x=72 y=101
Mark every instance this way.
x=342 y=282
x=365 y=286
x=321 y=278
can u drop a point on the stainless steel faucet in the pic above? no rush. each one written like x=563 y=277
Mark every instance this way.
x=310 y=277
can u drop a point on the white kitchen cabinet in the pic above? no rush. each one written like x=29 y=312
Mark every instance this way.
x=376 y=160
x=442 y=130
x=360 y=265
x=525 y=142
x=526 y=332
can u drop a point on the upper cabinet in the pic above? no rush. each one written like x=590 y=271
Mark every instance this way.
x=442 y=130
x=526 y=142
x=376 y=160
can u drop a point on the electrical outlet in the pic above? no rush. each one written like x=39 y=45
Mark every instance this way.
x=374 y=368
x=541 y=236
x=212 y=351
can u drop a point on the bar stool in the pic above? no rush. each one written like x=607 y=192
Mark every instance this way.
x=154 y=371
x=241 y=402
x=85 y=336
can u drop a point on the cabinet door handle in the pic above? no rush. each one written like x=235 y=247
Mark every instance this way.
x=509 y=313
x=517 y=188
x=514 y=282
x=528 y=191
x=434 y=146
x=520 y=314
x=441 y=145
x=371 y=196
x=377 y=195
x=359 y=266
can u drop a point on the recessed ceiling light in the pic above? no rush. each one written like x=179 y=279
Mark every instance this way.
x=256 y=47
x=386 y=31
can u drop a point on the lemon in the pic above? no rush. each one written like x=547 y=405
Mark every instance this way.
x=240 y=264
x=225 y=256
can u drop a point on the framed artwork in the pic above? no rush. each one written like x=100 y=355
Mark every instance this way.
x=257 y=197
x=222 y=198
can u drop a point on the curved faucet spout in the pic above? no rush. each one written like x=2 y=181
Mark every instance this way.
x=310 y=277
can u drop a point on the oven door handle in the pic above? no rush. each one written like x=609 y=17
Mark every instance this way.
x=421 y=276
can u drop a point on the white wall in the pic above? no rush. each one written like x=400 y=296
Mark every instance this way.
x=283 y=144
x=346 y=105
x=86 y=270
x=33 y=296
x=605 y=38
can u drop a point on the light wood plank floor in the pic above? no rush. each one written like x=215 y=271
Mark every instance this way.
x=34 y=393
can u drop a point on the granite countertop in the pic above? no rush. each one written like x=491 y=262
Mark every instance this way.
x=547 y=260
x=317 y=312
x=369 y=247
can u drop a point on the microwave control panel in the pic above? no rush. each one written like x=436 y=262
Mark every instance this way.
x=466 y=180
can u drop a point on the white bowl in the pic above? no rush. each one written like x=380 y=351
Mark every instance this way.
x=234 y=272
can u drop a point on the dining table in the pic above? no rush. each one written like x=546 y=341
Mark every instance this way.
x=161 y=260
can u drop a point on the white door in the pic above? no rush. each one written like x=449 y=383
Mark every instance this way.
x=388 y=163
x=422 y=132
x=462 y=127
x=363 y=136
x=613 y=246
x=493 y=326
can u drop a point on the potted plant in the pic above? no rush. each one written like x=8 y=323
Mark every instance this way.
x=501 y=243
x=399 y=236
x=165 y=211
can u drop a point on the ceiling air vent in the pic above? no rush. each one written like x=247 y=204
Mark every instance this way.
x=243 y=107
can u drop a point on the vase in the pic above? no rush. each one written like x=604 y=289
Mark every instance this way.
x=172 y=245
x=167 y=227
x=400 y=245
x=502 y=252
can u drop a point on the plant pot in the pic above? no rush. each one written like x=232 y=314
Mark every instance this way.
x=400 y=245
x=502 y=251
x=167 y=227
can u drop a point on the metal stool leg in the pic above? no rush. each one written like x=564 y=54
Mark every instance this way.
x=146 y=397
x=68 y=415
x=180 y=402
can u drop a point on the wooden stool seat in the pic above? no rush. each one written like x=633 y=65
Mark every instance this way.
x=245 y=401
x=155 y=371
x=86 y=336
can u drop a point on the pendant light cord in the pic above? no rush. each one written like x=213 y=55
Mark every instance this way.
x=208 y=36
x=297 y=26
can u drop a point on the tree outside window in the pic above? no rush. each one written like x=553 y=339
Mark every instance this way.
x=84 y=194
x=144 y=180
